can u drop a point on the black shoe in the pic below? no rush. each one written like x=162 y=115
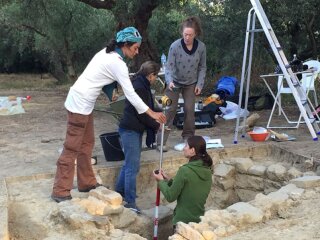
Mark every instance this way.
x=133 y=207
x=60 y=199
x=90 y=188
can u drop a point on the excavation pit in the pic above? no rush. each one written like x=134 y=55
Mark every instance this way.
x=240 y=174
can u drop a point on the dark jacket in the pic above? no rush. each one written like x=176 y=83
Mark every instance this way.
x=190 y=187
x=131 y=120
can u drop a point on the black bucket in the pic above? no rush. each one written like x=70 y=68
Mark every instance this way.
x=111 y=146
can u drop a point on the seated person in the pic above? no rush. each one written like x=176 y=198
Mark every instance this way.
x=192 y=183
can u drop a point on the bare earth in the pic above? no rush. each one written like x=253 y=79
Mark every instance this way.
x=30 y=144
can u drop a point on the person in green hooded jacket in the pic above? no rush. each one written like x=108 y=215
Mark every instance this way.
x=192 y=183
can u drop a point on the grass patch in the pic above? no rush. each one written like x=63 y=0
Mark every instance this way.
x=27 y=81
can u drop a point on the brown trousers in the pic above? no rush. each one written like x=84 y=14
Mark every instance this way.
x=188 y=96
x=78 y=145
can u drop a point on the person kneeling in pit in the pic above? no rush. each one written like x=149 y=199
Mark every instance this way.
x=192 y=183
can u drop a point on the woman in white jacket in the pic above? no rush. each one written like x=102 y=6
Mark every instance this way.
x=105 y=68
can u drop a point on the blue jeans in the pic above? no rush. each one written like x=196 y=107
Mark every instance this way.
x=131 y=145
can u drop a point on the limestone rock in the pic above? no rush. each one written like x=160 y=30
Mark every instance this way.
x=224 y=170
x=221 y=231
x=307 y=182
x=243 y=164
x=209 y=235
x=246 y=213
x=249 y=182
x=276 y=172
x=76 y=216
x=97 y=207
x=176 y=237
x=224 y=198
x=116 y=233
x=257 y=170
x=214 y=218
x=271 y=186
x=246 y=195
x=293 y=191
x=224 y=183
x=106 y=195
x=124 y=219
x=187 y=232
x=309 y=173
x=294 y=173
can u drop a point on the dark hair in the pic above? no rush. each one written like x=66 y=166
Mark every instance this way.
x=199 y=145
x=149 y=67
x=112 y=44
x=192 y=22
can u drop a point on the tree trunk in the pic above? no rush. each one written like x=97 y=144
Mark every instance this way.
x=313 y=43
x=56 y=70
x=140 y=20
x=72 y=75
x=68 y=63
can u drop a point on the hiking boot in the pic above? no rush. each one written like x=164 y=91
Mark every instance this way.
x=90 y=188
x=164 y=148
x=133 y=207
x=60 y=199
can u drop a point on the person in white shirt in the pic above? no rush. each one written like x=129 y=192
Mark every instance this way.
x=105 y=68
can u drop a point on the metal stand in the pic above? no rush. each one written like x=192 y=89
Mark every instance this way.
x=304 y=104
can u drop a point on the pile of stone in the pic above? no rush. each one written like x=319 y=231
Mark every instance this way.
x=241 y=179
x=101 y=214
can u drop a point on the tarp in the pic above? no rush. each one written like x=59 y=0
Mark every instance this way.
x=11 y=105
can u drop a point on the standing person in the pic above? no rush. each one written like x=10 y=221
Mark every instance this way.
x=105 y=68
x=185 y=73
x=192 y=183
x=131 y=128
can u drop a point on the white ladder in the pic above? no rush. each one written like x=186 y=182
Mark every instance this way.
x=304 y=104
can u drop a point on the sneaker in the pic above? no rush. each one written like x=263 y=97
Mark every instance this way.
x=90 y=188
x=164 y=148
x=60 y=199
x=133 y=207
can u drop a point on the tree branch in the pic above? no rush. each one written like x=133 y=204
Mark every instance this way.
x=34 y=29
x=100 y=4
x=23 y=26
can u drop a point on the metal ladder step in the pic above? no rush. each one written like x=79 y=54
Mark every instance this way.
x=293 y=82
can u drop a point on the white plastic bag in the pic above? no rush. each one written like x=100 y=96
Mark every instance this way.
x=231 y=111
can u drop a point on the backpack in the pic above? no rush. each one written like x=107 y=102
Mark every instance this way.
x=257 y=103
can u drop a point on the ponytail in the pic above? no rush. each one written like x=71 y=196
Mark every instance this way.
x=199 y=144
x=112 y=45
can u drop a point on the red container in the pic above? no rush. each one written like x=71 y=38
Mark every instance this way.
x=258 y=137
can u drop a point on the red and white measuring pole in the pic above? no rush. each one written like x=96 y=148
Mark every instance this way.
x=156 y=209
